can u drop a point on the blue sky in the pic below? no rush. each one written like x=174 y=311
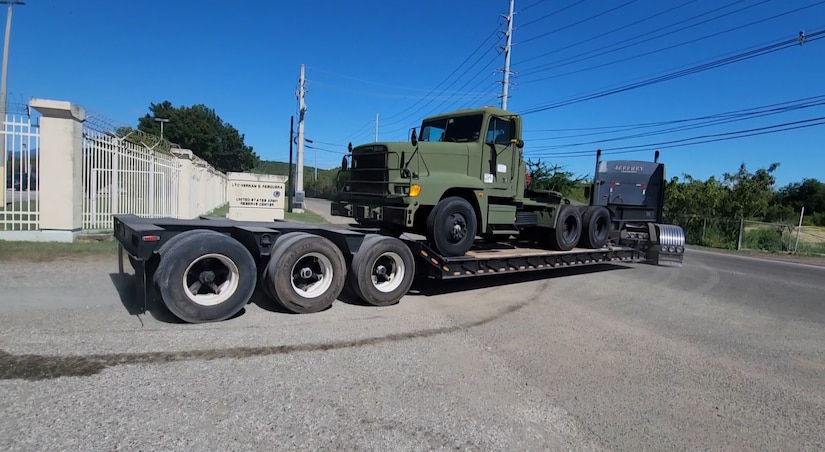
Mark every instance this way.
x=405 y=60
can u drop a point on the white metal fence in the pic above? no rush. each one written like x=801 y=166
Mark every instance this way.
x=122 y=170
x=120 y=176
x=19 y=208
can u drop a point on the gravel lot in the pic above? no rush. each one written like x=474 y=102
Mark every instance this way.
x=725 y=353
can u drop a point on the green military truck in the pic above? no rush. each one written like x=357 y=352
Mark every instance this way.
x=461 y=182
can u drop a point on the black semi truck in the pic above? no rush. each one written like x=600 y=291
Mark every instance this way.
x=207 y=269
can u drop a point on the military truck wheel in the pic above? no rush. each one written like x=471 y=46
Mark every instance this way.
x=596 y=223
x=452 y=226
x=382 y=270
x=568 y=229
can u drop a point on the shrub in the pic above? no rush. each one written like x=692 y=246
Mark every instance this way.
x=765 y=239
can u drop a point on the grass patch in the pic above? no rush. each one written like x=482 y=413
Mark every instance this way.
x=219 y=211
x=51 y=251
x=306 y=216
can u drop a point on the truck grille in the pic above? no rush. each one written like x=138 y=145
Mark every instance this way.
x=369 y=173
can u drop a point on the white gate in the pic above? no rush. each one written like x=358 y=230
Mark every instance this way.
x=19 y=205
x=124 y=177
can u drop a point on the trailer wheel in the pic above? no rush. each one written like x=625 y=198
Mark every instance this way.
x=306 y=274
x=282 y=240
x=568 y=228
x=382 y=270
x=205 y=276
x=596 y=223
x=452 y=226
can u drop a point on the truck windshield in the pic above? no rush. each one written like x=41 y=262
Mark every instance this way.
x=457 y=129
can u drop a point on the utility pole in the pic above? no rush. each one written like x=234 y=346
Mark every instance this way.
x=290 y=182
x=3 y=105
x=161 y=121
x=376 y=127
x=302 y=108
x=315 y=151
x=505 y=84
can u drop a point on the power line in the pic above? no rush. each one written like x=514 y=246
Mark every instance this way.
x=531 y=5
x=727 y=114
x=325 y=150
x=436 y=108
x=561 y=10
x=579 y=22
x=584 y=56
x=703 y=139
x=448 y=76
x=592 y=38
x=723 y=119
x=622 y=60
x=678 y=74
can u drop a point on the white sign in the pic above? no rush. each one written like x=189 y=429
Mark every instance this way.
x=501 y=168
x=488 y=178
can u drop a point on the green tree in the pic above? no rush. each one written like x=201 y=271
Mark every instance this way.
x=544 y=176
x=750 y=194
x=694 y=198
x=200 y=129
x=810 y=194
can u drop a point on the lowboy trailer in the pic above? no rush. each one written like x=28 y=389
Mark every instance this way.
x=207 y=269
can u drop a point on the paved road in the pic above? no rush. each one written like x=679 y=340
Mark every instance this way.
x=321 y=207
x=726 y=353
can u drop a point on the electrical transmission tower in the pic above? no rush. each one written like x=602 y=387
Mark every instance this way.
x=505 y=83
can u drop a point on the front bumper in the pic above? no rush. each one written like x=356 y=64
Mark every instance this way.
x=398 y=215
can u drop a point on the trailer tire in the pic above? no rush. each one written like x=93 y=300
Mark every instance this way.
x=382 y=270
x=452 y=226
x=565 y=236
x=596 y=224
x=201 y=261
x=306 y=274
x=282 y=240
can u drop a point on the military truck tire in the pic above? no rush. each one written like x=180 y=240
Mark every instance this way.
x=452 y=226
x=565 y=236
x=307 y=274
x=382 y=270
x=205 y=276
x=596 y=224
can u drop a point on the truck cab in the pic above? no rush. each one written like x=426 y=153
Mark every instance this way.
x=469 y=159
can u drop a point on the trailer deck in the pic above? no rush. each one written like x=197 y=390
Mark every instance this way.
x=207 y=269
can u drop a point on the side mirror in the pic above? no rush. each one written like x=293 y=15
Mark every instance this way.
x=414 y=138
x=349 y=147
x=344 y=163
x=519 y=143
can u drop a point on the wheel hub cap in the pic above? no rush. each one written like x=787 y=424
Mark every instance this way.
x=207 y=277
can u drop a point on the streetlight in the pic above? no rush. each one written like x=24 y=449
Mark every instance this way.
x=161 y=121
x=3 y=90
x=6 y=56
